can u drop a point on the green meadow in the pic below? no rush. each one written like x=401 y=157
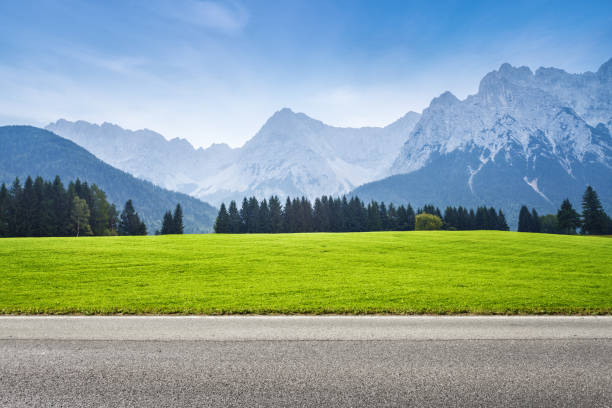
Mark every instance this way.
x=437 y=272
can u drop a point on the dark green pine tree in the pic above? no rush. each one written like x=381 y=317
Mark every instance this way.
x=536 y=225
x=168 y=224
x=289 y=224
x=276 y=215
x=233 y=219
x=177 y=219
x=374 y=221
x=222 y=224
x=264 y=224
x=502 y=225
x=29 y=208
x=60 y=208
x=568 y=218
x=411 y=218
x=384 y=217
x=525 y=223
x=244 y=215
x=130 y=223
x=317 y=215
x=594 y=219
x=252 y=219
x=4 y=211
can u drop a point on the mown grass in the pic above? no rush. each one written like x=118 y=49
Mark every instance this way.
x=481 y=272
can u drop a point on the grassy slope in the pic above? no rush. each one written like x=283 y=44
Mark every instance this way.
x=386 y=272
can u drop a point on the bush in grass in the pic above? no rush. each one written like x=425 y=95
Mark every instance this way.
x=427 y=222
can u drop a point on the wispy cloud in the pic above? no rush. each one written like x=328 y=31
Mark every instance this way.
x=227 y=17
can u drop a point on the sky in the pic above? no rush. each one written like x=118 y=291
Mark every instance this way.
x=214 y=71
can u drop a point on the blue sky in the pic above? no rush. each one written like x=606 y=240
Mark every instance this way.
x=214 y=71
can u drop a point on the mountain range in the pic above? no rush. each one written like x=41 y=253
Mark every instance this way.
x=29 y=151
x=292 y=155
x=525 y=137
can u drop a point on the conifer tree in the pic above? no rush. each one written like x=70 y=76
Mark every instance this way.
x=288 y=217
x=233 y=218
x=168 y=224
x=536 y=226
x=594 y=218
x=525 y=223
x=222 y=222
x=264 y=224
x=374 y=221
x=411 y=218
x=4 y=210
x=177 y=220
x=568 y=218
x=244 y=215
x=130 y=223
x=502 y=225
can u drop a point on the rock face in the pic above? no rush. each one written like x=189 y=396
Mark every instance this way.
x=296 y=155
x=292 y=154
x=524 y=138
x=172 y=164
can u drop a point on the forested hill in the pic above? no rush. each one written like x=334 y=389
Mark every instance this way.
x=26 y=150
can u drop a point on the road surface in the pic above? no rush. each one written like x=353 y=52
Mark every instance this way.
x=305 y=361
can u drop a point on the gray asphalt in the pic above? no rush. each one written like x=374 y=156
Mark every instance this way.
x=412 y=361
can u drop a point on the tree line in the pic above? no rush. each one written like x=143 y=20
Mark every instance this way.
x=592 y=221
x=329 y=214
x=42 y=208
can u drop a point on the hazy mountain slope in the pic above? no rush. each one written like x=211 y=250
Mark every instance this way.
x=174 y=164
x=291 y=155
x=294 y=155
x=520 y=139
x=26 y=150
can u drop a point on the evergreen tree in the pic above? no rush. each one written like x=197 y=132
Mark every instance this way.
x=222 y=224
x=567 y=218
x=244 y=215
x=525 y=224
x=4 y=211
x=168 y=224
x=177 y=220
x=130 y=223
x=317 y=216
x=29 y=208
x=502 y=225
x=374 y=221
x=16 y=214
x=535 y=221
x=411 y=218
x=594 y=218
x=252 y=219
x=392 y=218
x=264 y=223
x=289 y=222
x=79 y=216
x=234 y=221
x=60 y=208
x=384 y=217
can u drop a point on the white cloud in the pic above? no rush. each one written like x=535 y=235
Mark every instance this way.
x=228 y=17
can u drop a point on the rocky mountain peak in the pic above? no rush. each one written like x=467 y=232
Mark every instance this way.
x=605 y=71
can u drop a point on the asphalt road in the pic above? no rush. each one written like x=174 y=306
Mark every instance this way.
x=305 y=361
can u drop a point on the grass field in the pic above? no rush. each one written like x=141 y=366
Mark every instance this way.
x=379 y=272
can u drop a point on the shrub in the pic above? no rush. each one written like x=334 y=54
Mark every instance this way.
x=427 y=222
